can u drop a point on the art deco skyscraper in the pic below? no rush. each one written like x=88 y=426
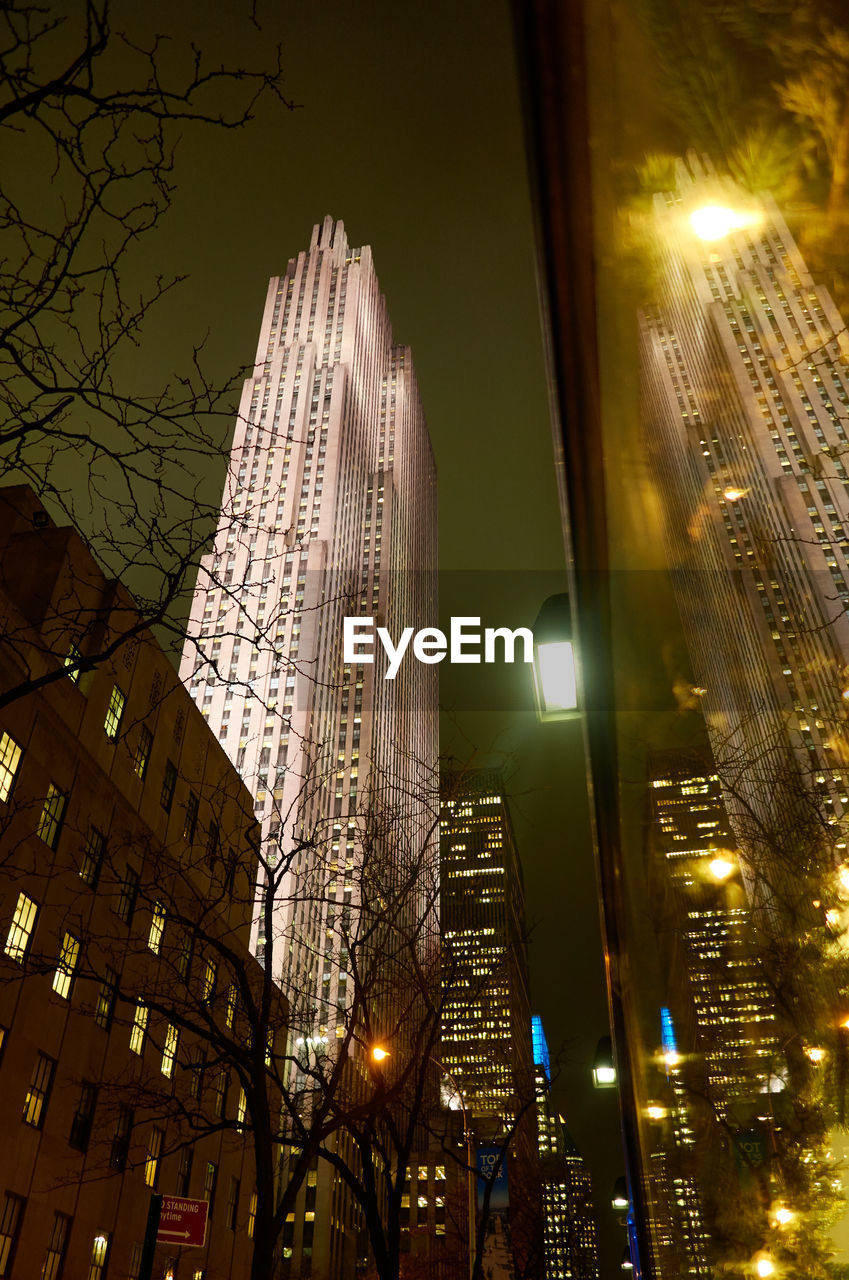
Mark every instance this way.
x=329 y=510
x=745 y=406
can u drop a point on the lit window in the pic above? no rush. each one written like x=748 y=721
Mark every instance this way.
x=114 y=713
x=143 y=750
x=99 y=1257
x=139 y=1027
x=241 y=1108
x=210 y=1182
x=73 y=660
x=154 y=1152
x=209 y=973
x=10 y=759
x=23 y=923
x=10 y=1227
x=157 y=927
x=169 y=1051
x=68 y=956
x=50 y=822
x=56 y=1247
x=230 y=1015
x=35 y=1103
x=252 y=1215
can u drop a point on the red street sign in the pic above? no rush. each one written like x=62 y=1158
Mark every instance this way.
x=182 y=1222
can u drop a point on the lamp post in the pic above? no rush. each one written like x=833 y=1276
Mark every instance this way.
x=379 y=1055
x=604 y=1067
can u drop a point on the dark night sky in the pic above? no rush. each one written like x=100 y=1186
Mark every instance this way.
x=410 y=131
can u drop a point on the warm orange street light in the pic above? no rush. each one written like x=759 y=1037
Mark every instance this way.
x=378 y=1053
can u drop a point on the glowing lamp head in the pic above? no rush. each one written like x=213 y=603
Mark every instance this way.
x=655 y=1111
x=832 y=917
x=721 y=868
x=714 y=221
x=672 y=1059
x=815 y=1053
x=554 y=668
x=379 y=1054
x=783 y=1215
x=604 y=1067
x=765 y=1266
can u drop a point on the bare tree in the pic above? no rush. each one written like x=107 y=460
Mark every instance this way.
x=93 y=105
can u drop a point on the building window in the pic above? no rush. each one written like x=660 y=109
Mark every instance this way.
x=241 y=1109
x=99 y=1257
x=139 y=1027
x=184 y=959
x=23 y=923
x=56 y=1247
x=143 y=750
x=121 y=1138
x=73 y=660
x=52 y=813
x=135 y=1262
x=233 y=1203
x=196 y=1069
x=184 y=1173
x=10 y=1229
x=69 y=954
x=154 y=1153
x=222 y=1082
x=251 y=1215
x=10 y=759
x=209 y=973
x=212 y=843
x=114 y=713
x=169 y=783
x=169 y=1051
x=38 y=1093
x=191 y=821
x=127 y=897
x=210 y=1182
x=157 y=927
x=83 y=1117
x=92 y=859
x=105 y=1006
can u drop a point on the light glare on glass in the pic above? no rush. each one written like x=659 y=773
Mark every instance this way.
x=556 y=674
x=713 y=221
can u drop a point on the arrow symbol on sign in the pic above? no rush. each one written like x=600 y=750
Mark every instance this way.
x=167 y=1231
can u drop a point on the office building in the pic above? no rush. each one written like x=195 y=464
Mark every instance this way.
x=745 y=411
x=570 y=1238
x=328 y=511
x=111 y=788
x=486 y=1035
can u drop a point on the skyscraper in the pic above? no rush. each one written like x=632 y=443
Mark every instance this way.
x=486 y=1034
x=745 y=407
x=570 y=1238
x=329 y=510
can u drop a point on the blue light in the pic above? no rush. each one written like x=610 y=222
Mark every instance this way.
x=540 y=1047
x=667 y=1032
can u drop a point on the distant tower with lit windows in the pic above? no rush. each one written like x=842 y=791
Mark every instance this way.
x=329 y=510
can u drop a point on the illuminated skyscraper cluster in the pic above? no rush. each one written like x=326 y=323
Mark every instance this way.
x=569 y=1229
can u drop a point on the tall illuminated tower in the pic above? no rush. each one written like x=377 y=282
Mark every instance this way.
x=329 y=510
x=570 y=1238
x=745 y=409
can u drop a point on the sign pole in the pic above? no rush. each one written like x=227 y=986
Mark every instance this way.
x=149 y=1246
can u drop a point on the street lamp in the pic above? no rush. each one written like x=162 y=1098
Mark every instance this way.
x=620 y=1194
x=555 y=675
x=627 y=1264
x=379 y=1054
x=604 y=1068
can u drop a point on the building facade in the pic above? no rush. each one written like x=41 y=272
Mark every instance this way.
x=745 y=407
x=486 y=1031
x=329 y=511
x=115 y=908
x=570 y=1237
